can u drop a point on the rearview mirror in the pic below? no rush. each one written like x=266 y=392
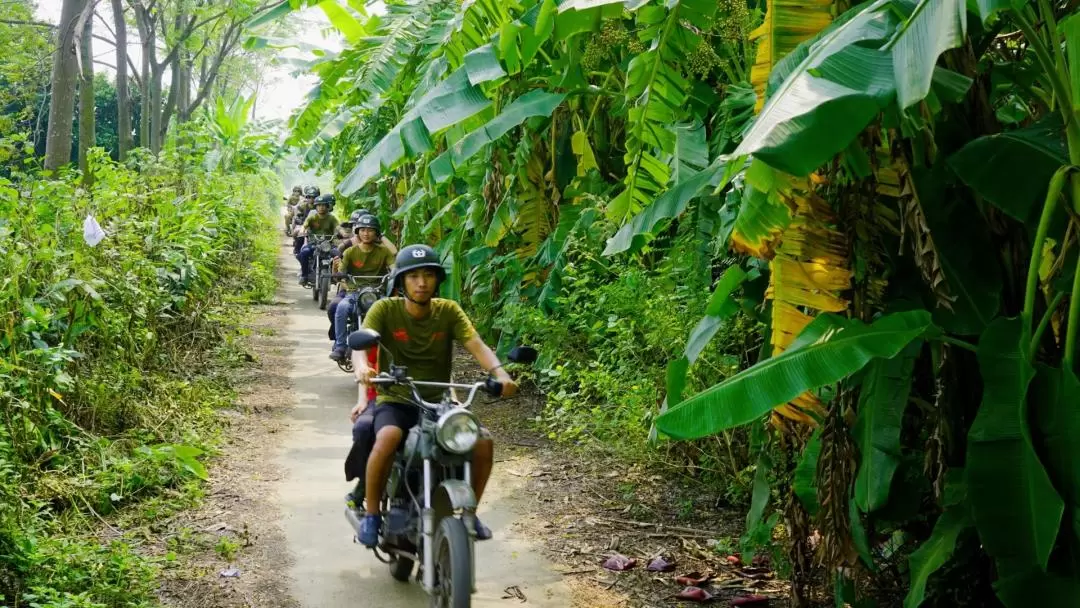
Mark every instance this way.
x=363 y=339
x=523 y=354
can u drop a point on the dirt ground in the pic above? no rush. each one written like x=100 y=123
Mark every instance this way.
x=583 y=507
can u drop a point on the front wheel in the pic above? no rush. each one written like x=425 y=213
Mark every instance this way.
x=453 y=566
x=324 y=290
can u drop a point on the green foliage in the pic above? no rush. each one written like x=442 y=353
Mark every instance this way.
x=103 y=411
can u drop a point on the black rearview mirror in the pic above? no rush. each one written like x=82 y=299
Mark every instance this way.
x=523 y=354
x=363 y=339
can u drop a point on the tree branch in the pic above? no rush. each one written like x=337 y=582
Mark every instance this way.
x=33 y=23
x=207 y=84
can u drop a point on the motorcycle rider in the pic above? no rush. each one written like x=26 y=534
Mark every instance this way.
x=331 y=309
x=417 y=331
x=303 y=209
x=367 y=258
x=321 y=222
x=290 y=207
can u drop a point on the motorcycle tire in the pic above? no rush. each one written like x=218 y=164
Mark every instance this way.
x=453 y=565
x=324 y=291
x=315 y=285
x=401 y=568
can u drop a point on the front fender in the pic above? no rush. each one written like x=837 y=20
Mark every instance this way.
x=452 y=495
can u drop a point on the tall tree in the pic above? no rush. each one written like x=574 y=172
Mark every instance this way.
x=62 y=87
x=86 y=93
x=123 y=100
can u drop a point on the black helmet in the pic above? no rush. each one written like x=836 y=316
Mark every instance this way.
x=311 y=191
x=368 y=221
x=413 y=257
x=354 y=217
x=325 y=199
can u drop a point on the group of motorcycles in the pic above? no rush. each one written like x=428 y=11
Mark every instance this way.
x=428 y=503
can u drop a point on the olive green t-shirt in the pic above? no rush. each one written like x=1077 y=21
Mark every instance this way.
x=356 y=261
x=316 y=224
x=425 y=346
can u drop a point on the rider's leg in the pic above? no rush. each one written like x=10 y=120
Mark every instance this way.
x=482 y=461
x=331 y=308
x=341 y=323
x=305 y=261
x=387 y=439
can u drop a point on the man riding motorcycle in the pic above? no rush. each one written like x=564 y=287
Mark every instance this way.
x=303 y=209
x=367 y=258
x=290 y=207
x=322 y=222
x=343 y=246
x=418 y=328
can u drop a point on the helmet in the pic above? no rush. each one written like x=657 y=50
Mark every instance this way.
x=325 y=199
x=413 y=257
x=297 y=189
x=359 y=213
x=368 y=221
x=311 y=191
x=353 y=217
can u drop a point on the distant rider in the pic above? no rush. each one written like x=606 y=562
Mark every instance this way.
x=303 y=209
x=367 y=258
x=417 y=330
x=322 y=222
x=290 y=207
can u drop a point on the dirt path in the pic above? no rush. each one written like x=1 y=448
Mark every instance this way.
x=328 y=570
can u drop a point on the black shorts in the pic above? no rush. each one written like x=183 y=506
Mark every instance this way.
x=400 y=415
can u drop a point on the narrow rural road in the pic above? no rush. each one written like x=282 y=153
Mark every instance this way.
x=328 y=569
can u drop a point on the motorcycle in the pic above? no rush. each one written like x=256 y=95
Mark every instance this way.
x=428 y=503
x=366 y=296
x=320 y=261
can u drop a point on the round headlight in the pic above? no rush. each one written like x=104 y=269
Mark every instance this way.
x=457 y=431
x=367 y=299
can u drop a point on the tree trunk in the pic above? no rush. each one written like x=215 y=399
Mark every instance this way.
x=157 y=73
x=123 y=100
x=62 y=88
x=87 y=126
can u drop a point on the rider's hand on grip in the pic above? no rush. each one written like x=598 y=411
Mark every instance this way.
x=365 y=374
x=493 y=387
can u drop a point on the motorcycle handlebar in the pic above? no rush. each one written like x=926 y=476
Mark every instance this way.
x=489 y=386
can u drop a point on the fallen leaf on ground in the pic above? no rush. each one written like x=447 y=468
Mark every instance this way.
x=693 y=579
x=619 y=563
x=230 y=573
x=734 y=560
x=694 y=594
x=659 y=564
x=749 y=601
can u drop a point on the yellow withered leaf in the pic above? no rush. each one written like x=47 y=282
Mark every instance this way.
x=787 y=23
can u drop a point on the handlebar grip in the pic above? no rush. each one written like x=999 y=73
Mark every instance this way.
x=493 y=387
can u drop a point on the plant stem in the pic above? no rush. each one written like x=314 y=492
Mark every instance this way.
x=1061 y=91
x=1073 y=328
x=1057 y=184
x=958 y=342
x=1043 y=324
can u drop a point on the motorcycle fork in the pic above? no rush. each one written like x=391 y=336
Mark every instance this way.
x=468 y=517
x=428 y=518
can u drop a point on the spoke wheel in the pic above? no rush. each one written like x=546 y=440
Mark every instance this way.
x=453 y=566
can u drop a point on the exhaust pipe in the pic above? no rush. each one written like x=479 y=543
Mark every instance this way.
x=354 y=521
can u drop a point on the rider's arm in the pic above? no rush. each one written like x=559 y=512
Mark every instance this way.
x=487 y=359
x=372 y=320
x=386 y=243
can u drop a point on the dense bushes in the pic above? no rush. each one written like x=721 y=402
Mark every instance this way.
x=109 y=358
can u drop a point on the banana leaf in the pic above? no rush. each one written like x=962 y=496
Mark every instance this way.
x=1054 y=397
x=534 y=103
x=882 y=401
x=1012 y=169
x=935 y=551
x=1016 y=509
x=829 y=349
x=804 y=479
x=933 y=27
x=1037 y=588
x=343 y=21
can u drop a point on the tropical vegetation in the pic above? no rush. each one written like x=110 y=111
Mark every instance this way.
x=840 y=235
x=125 y=273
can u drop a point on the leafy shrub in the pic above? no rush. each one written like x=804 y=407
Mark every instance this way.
x=110 y=358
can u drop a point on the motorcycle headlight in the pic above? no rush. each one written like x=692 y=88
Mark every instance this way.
x=457 y=431
x=325 y=246
x=367 y=300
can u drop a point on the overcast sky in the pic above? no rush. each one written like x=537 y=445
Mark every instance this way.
x=281 y=92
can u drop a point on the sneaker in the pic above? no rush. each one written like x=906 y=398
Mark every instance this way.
x=338 y=354
x=369 y=530
x=482 y=532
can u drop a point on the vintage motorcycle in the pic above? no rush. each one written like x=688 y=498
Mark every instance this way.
x=428 y=504
x=320 y=262
x=366 y=296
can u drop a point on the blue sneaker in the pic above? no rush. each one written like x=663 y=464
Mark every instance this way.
x=369 y=530
x=482 y=532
